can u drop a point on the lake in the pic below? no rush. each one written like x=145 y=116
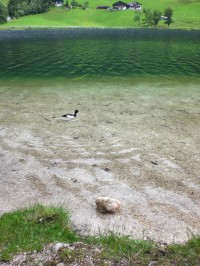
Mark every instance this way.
x=136 y=138
x=100 y=52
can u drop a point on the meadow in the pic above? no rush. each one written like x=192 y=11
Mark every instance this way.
x=186 y=16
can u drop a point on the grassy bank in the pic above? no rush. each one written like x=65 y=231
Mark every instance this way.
x=32 y=228
x=186 y=16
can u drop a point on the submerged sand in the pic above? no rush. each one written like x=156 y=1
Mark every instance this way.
x=136 y=142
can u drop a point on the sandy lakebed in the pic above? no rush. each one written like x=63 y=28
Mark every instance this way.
x=138 y=142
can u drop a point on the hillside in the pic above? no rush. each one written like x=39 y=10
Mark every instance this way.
x=186 y=15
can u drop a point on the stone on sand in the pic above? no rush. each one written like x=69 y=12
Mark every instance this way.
x=108 y=205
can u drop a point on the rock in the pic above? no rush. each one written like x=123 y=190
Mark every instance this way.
x=58 y=246
x=154 y=162
x=162 y=251
x=79 y=244
x=108 y=205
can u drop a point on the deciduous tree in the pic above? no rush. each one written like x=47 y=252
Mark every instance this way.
x=74 y=4
x=85 y=5
x=67 y=4
x=3 y=13
x=137 y=17
x=148 y=19
x=156 y=17
x=168 y=14
x=18 y=8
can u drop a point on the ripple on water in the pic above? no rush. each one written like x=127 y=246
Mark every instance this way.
x=74 y=53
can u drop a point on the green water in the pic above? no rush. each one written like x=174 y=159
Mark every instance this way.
x=99 y=53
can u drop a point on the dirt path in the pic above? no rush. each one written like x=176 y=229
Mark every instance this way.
x=139 y=144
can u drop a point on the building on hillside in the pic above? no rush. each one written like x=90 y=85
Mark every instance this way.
x=119 y=5
x=102 y=7
x=163 y=17
x=134 y=5
x=59 y=2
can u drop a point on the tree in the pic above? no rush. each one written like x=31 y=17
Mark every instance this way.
x=156 y=17
x=67 y=4
x=168 y=14
x=3 y=13
x=137 y=17
x=74 y=4
x=12 y=7
x=85 y=5
x=18 y=8
x=148 y=13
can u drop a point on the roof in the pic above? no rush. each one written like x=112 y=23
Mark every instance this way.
x=134 y=3
x=120 y=3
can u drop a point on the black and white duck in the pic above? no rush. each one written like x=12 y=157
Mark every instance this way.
x=71 y=116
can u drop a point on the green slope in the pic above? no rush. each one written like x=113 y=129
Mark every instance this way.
x=186 y=15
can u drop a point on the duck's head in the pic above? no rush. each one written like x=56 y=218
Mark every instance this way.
x=76 y=111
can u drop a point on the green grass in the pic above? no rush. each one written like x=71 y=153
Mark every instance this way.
x=186 y=15
x=118 y=246
x=32 y=228
x=140 y=252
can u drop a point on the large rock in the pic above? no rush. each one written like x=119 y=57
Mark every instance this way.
x=108 y=205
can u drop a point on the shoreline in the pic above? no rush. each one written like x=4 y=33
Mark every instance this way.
x=2 y=28
x=58 y=33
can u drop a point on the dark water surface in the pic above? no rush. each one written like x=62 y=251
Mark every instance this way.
x=99 y=52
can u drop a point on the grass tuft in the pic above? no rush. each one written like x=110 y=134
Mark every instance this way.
x=188 y=254
x=32 y=228
x=118 y=246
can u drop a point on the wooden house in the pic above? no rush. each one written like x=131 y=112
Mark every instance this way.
x=59 y=2
x=134 y=5
x=119 y=5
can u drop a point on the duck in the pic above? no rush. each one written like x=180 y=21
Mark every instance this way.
x=71 y=116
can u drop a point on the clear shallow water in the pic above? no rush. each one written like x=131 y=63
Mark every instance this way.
x=77 y=53
x=138 y=96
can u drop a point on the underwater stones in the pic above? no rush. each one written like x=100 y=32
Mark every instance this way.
x=154 y=162
x=108 y=205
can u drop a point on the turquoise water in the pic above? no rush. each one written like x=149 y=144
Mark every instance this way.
x=77 y=53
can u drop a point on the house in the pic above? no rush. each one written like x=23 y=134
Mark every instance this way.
x=59 y=2
x=102 y=7
x=134 y=5
x=163 y=17
x=119 y=5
